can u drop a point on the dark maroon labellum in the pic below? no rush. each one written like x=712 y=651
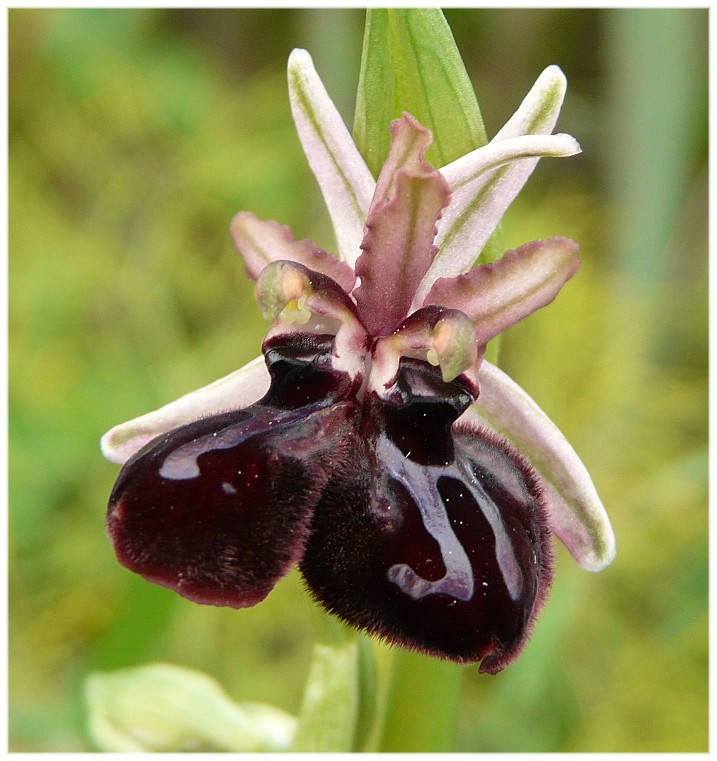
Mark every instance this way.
x=441 y=543
x=404 y=523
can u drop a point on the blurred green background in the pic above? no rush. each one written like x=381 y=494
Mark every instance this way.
x=135 y=135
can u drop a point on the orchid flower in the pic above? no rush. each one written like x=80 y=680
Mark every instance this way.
x=415 y=484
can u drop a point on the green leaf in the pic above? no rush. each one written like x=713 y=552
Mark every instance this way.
x=410 y=62
x=163 y=708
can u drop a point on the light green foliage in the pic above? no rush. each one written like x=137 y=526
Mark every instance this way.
x=161 y=708
x=410 y=63
x=135 y=135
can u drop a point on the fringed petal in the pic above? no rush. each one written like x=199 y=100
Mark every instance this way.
x=398 y=245
x=261 y=242
x=496 y=296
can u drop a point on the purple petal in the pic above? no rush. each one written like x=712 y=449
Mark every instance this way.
x=398 y=246
x=262 y=242
x=345 y=180
x=496 y=296
x=239 y=389
x=575 y=512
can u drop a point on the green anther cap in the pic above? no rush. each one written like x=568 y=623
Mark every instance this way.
x=282 y=291
x=453 y=345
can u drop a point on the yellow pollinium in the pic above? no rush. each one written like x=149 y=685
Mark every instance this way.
x=296 y=311
x=283 y=291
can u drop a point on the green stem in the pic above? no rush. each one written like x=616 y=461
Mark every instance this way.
x=338 y=709
x=421 y=713
x=327 y=719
